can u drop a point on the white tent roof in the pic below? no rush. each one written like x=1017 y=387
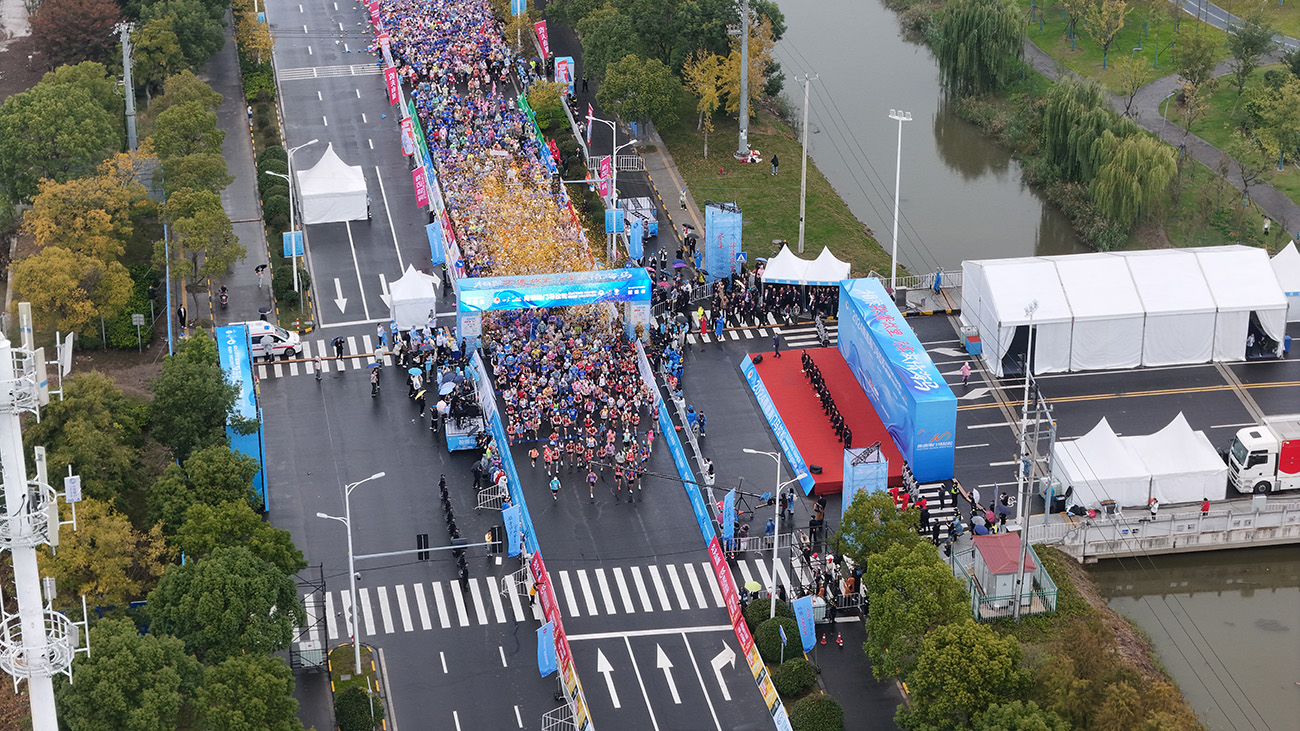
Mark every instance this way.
x=1185 y=467
x=787 y=268
x=1011 y=284
x=331 y=191
x=1100 y=467
x=1286 y=266
x=1097 y=286
x=412 y=298
x=1169 y=281
x=826 y=268
x=1240 y=278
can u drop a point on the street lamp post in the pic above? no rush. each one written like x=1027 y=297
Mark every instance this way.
x=1023 y=471
x=776 y=537
x=293 y=219
x=898 y=174
x=346 y=520
x=612 y=201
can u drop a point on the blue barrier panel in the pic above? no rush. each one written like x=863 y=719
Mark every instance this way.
x=492 y=418
x=236 y=363
x=909 y=395
x=778 y=425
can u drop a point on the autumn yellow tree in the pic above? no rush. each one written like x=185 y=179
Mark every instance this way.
x=94 y=215
x=254 y=37
x=703 y=75
x=760 y=58
x=69 y=290
x=1103 y=20
x=105 y=558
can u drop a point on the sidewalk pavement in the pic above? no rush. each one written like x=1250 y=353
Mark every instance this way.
x=239 y=198
x=869 y=704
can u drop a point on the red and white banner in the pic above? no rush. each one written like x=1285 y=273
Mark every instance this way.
x=551 y=611
x=590 y=113
x=421 y=187
x=386 y=47
x=408 y=136
x=540 y=27
x=390 y=80
x=374 y=15
x=606 y=171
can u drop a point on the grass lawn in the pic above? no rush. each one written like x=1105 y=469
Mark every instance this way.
x=770 y=205
x=1051 y=33
x=342 y=675
x=1283 y=17
x=1208 y=213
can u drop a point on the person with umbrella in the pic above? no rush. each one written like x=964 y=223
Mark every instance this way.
x=414 y=381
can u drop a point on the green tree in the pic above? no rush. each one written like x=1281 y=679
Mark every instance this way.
x=96 y=429
x=69 y=290
x=51 y=131
x=640 y=90
x=204 y=244
x=607 y=36
x=93 y=78
x=170 y=497
x=1103 y=19
x=872 y=524
x=131 y=682
x=156 y=54
x=1018 y=716
x=912 y=592
x=980 y=45
x=205 y=171
x=1194 y=58
x=68 y=31
x=817 y=712
x=249 y=693
x=221 y=475
x=191 y=398
x=105 y=558
x=356 y=710
x=209 y=527
x=571 y=12
x=186 y=129
x=1134 y=74
x=1134 y=177
x=1278 y=131
x=182 y=88
x=949 y=687
x=1247 y=41
x=227 y=604
x=200 y=33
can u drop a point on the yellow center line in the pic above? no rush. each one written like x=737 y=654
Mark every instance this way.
x=1140 y=394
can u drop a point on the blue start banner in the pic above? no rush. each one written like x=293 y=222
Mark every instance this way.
x=729 y=516
x=722 y=225
x=237 y=363
x=775 y=421
x=553 y=290
x=907 y=391
x=803 y=614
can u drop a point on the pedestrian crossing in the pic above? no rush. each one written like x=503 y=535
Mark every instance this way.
x=358 y=353
x=488 y=600
x=799 y=336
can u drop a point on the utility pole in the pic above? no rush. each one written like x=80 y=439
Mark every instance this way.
x=1023 y=477
x=128 y=86
x=803 y=176
x=742 y=147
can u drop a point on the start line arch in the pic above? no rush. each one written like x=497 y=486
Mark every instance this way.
x=476 y=295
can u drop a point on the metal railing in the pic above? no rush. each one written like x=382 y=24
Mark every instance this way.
x=1117 y=535
x=491 y=497
x=947 y=279
x=624 y=163
x=1041 y=597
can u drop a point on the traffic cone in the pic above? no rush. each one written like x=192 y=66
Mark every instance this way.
x=823 y=638
x=839 y=639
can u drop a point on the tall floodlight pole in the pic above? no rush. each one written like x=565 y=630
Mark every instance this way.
x=742 y=146
x=127 y=84
x=901 y=117
x=293 y=218
x=1022 y=481
x=803 y=175
x=346 y=520
x=776 y=536
x=37 y=642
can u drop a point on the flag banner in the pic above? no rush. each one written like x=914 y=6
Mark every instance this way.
x=635 y=238
x=514 y=524
x=436 y=251
x=540 y=27
x=518 y=7
x=729 y=514
x=421 y=187
x=613 y=220
x=385 y=46
x=781 y=628
x=374 y=15
x=606 y=175
x=803 y=614
x=408 y=136
x=390 y=80
x=564 y=72
x=292 y=243
x=546 y=663
x=590 y=113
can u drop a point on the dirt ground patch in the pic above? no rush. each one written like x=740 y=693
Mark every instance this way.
x=16 y=74
x=131 y=371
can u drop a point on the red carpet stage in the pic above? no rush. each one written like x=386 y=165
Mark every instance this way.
x=808 y=424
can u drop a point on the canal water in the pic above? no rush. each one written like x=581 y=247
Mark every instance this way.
x=962 y=196
x=1225 y=624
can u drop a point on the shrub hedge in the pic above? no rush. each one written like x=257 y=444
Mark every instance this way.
x=768 y=638
x=817 y=712
x=794 y=676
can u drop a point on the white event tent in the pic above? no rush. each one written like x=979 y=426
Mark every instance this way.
x=1125 y=309
x=1099 y=467
x=1286 y=265
x=331 y=191
x=787 y=268
x=1185 y=467
x=412 y=298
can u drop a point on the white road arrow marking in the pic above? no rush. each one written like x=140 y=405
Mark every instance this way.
x=604 y=668
x=722 y=659
x=950 y=352
x=663 y=663
x=383 y=287
x=974 y=393
x=339 y=299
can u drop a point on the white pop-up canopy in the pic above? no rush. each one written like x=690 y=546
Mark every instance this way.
x=787 y=268
x=413 y=298
x=332 y=191
x=1243 y=283
x=1099 y=467
x=1185 y=467
x=1286 y=265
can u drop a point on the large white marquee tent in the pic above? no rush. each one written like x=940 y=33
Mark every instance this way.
x=1123 y=309
x=332 y=191
x=1286 y=265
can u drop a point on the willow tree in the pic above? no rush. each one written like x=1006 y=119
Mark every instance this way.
x=980 y=45
x=1134 y=178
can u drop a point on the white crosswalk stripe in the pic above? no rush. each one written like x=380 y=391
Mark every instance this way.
x=669 y=587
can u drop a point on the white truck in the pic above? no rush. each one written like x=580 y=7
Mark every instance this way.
x=1266 y=458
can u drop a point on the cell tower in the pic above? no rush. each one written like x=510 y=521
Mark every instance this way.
x=37 y=642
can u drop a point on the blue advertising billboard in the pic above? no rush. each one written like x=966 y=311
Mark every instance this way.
x=722 y=227
x=553 y=290
x=907 y=391
x=237 y=364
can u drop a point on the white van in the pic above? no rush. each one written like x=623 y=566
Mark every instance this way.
x=269 y=341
